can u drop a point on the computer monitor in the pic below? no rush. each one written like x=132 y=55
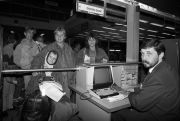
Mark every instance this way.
x=102 y=77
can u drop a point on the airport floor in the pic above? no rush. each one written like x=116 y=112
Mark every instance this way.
x=15 y=115
x=12 y=115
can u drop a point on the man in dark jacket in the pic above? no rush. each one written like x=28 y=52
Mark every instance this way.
x=158 y=97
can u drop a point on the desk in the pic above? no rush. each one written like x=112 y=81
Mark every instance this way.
x=94 y=109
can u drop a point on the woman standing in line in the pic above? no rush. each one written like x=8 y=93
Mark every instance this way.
x=91 y=53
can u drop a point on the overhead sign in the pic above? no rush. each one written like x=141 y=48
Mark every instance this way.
x=90 y=9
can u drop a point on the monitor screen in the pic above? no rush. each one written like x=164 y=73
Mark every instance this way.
x=102 y=77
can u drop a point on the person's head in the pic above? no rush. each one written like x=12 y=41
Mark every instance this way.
x=152 y=52
x=77 y=47
x=40 y=39
x=91 y=40
x=60 y=34
x=11 y=39
x=52 y=57
x=29 y=32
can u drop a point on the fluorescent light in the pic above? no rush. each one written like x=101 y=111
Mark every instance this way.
x=117 y=36
x=42 y=34
x=152 y=31
x=152 y=35
x=122 y=30
x=112 y=50
x=141 y=28
x=143 y=21
x=113 y=33
x=156 y=24
x=108 y=28
x=104 y=34
x=168 y=27
x=12 y=32
x=166 y=33
x=97 y=31
x=108 y=37
x=98 y=36
x=119 y=24
x=161 y=37
x=149 y=38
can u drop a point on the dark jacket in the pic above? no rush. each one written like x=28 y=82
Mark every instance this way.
x=65 y=60
x=160 y=94
x=100 y=54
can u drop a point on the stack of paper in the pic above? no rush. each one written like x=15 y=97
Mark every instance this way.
x=52 y=89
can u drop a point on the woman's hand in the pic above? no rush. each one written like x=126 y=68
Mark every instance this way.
x=104 y=60
x=86 y=59
x=35 y=73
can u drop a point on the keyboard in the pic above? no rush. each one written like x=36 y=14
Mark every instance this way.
x=105 y=92
x=120 y=96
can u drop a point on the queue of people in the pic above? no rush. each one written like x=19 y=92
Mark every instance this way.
x=156 y=99
x=30 y=54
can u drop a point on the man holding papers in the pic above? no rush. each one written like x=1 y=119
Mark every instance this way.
x=62 y=55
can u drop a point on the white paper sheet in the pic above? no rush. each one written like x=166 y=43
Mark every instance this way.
x=52 y=89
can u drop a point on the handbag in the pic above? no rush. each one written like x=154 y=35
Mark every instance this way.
x=36 y=107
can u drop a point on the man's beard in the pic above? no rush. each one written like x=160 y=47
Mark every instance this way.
x=148 y=64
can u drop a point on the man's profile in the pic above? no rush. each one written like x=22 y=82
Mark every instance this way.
x=158 y=97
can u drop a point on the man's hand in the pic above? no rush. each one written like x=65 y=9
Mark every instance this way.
x=35 y=73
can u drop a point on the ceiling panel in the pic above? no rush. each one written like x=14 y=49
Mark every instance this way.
x=113 y=25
